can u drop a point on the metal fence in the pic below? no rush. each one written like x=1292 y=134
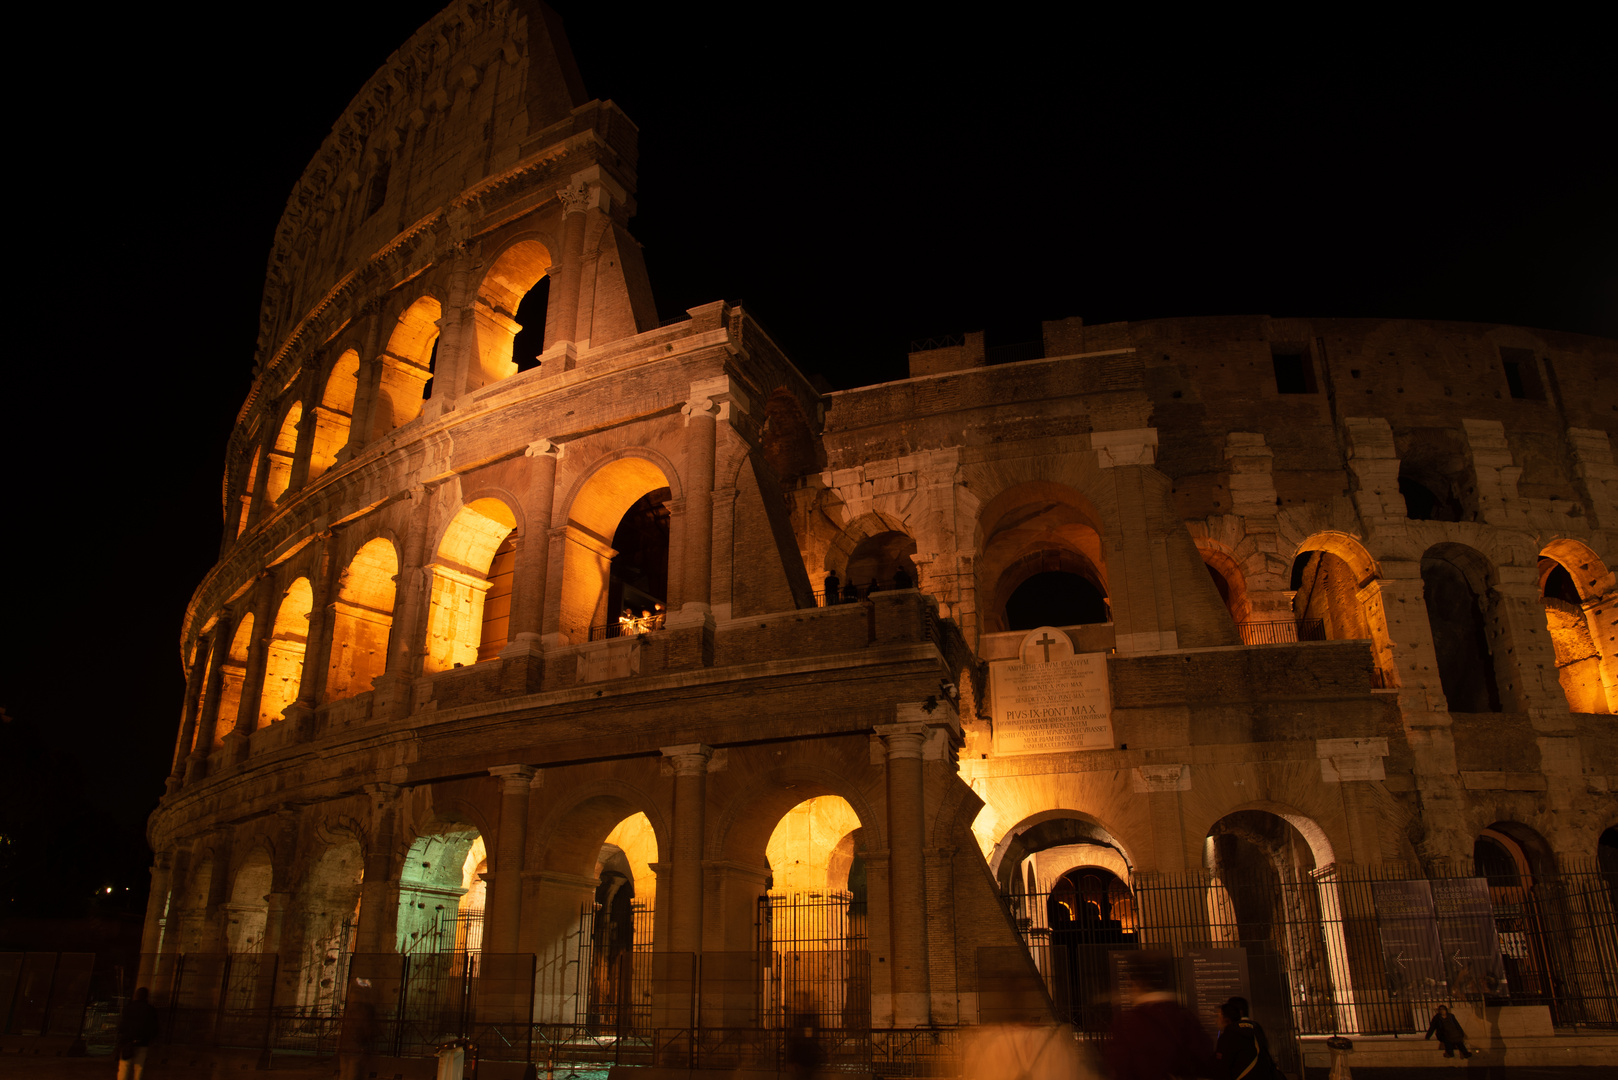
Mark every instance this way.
x=816 y=966
x=1282 y=631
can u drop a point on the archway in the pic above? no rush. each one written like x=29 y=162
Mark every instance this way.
x=882 y=561
x=329 y=908
x=282 y=451
x=1046 y=530
x=1521 y=872
x=1337 y=596
x=596 y=513
x=1455 y=586
x=510 y=312
x=284 y=656
x=616 y=934
x=813 y=927
x=233 y=676
x=469 y=613
x=362 y=619
x=408 y=363
x=441 y=893
x=1573 y=584
x=334 y=416
x=247 y=911
x=1231 y=584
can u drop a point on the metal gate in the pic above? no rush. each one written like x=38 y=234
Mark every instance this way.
x=614 y=993
x=815 y=961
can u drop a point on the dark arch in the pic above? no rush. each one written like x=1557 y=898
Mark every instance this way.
x=1460 y=639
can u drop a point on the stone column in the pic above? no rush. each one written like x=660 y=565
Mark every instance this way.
x=562 y=318
x=379 y=892
x=528 y=584
x=391 y=699
x=157 y=902
x=316 y=648
x=696 y=576
x=188 y=712
x=902 y=745
x=690 y=763
x=504 y=915
x=196 y=766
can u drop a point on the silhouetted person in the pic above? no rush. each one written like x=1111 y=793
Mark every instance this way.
x=1450 y=1034
x=1242 y=1052
x=851 y=593
x=834 y=585
x=901 y=580
x=803 y=1039
x=137 y=1027
x=1155 y=1037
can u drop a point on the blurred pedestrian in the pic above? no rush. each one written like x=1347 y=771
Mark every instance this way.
x=1450 y=1034
x=803 y=1051
x=1155 y=1037
x=1243 y=1051
x=137 y=1027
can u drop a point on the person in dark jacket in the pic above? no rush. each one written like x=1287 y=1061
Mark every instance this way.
x=1242 y=1052
x=137 y=1027
x=1155 y=1037
x=1450 y=1035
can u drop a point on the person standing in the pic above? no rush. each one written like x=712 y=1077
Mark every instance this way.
x=1242 y=1052
x=137 y=1027
x=1450 y=1034
x=834 y=588
x=1154 y=1036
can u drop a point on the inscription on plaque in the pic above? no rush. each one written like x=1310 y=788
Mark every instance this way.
x=1050 y=700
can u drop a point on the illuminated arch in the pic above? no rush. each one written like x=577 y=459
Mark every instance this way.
x=362 y=618
x=407 y=365
x=1335 y=580
x=1229 y=578
x=278 y=474
x=870 y=551
x=494 y=316
x=1054 y=830
x=1032 y=528
x=1581 y=614
x=442 y=892
x=283 y=664
x=461 y=627
x=334 y=416
x=596 y=505
x=247 y=911
x=328 y=902
x=234 y=674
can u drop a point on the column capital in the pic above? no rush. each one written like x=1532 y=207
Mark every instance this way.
x=904 y=740
x=575 y=198
x=688 y=759
x=515 y=777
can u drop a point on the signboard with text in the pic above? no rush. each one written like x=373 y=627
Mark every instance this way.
x=1050 y=700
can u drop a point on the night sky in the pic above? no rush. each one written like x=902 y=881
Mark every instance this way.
x=860 y=180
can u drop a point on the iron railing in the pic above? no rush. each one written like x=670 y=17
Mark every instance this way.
x=1282 y=631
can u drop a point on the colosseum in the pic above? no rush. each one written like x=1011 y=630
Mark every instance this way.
x=596 y=688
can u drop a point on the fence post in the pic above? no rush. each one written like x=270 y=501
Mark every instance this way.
x=269 y=1007
x=533 y=978
x=399 y=1008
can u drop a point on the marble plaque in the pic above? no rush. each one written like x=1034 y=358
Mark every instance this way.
x=1050 y=700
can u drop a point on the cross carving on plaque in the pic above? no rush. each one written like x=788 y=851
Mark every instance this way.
x=1046 y=641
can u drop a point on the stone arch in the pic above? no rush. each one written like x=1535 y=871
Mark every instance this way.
x=872 y=551
x=1058 y=827
x=285 y=652
x=1457 y=588
x=278 y=459
x=595 y=506
x=468 y=614
x=1032 y=528
x=234 y=675
x=326 y=918
x=742 y=830
x=1228 y=576
x=519 y=266
x=334 y=416
x=1336 y=580
x=247 y=910
x=441 y=891
x=1581 y=615
x=362 y=619
x=788 y=440
x=1522 y=871
x=408 y=363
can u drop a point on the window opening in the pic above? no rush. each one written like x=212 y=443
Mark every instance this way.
x=638 y=583
x=1056 y=598
x=530 y=340
x=379 y=189
x=1465 y=665
x=1522 y=374
x=1294 y=374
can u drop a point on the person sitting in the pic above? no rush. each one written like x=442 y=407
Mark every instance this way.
x=1450 y=1034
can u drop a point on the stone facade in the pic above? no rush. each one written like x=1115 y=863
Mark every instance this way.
x=411 y=637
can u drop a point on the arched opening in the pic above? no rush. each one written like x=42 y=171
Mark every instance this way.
x=616 y=932
x=283 y=661
x=248 y=487
x=1049 y=531
x=1453 y=587
x=881 y=561
x=407 y=366
x=814 y=936
x=1066 y=881
x=191 y=907
x=234 y=674
x=329 y=903
x=1272 y=891
x=1435 y=475
x=442 y=893
x=462 y=628
x=1582 y=626
x=509 y=315
x=279 y=459
x=362 y=617
x=1521 y=871
x=334 y=416
x=629 y=494
x=247 y=910
x=1326 y=598
x=789 y=443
